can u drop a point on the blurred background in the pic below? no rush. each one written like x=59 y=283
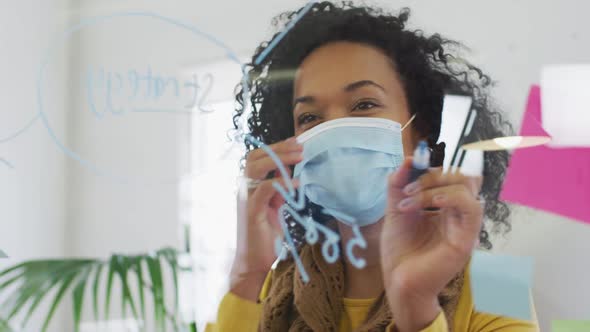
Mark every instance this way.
x=132 y=145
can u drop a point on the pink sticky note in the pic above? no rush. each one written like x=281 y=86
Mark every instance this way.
x=553 y=180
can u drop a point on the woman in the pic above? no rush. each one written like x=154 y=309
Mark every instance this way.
x=346 y=61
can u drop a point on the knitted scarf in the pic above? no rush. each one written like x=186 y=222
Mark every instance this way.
x=294 y=306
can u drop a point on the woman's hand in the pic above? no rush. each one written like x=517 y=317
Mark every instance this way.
x=422 y=251
x=257 y=217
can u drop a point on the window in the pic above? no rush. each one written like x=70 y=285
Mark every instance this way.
x=212 y=188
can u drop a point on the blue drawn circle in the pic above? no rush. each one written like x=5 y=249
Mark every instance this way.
x=65 y=36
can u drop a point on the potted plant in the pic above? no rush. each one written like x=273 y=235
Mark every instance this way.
x=26 y=285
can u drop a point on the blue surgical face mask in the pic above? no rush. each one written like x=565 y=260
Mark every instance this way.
x=345 y=166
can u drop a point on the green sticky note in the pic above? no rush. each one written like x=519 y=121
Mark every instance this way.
x=570 y=326
x=2 y=254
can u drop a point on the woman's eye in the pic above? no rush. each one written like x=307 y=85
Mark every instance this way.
x=365 y=105
x=305 y=118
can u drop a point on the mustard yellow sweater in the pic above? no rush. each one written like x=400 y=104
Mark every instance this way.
x=237 y=314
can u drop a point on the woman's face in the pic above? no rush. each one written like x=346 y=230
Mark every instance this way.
x=345 y=79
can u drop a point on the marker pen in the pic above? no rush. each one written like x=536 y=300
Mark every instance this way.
x=420 y=162
x=420 y=165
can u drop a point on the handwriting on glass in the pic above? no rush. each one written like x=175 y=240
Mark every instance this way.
x=143 y=91
x=6 y=163
x=330 y=247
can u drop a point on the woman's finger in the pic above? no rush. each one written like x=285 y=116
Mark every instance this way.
x=436 y=178
x=260 y=168
x=398 y=179
x=265 y=191
x=287 y=145
x=276 y=173
x=395 y=184
x=454 y=196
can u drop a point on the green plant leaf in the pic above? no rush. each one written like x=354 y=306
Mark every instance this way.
x=75 y=267
x=118 y=271
x=27 y=288
x=137 y=267
x=37 y=279
x=155 y=271
x=10 y=281
x=110 y=276
x=12 y=301
x=64 y=286
x=4 y=326
x=170 y=255
x=78 y=297
x=26 y=271
x=95 y=287
x=13 y=268
x=123 y=267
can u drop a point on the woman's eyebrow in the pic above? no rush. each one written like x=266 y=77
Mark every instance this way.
x=350 y=87
x=359 y=84
x=303 y=100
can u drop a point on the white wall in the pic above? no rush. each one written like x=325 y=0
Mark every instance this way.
x=509 y=39
x=32 y=194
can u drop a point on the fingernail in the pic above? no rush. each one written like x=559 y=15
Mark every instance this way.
x=439 y=198
x=411 y=188
x=293 y=141
x=294 y=145
x=406 y=202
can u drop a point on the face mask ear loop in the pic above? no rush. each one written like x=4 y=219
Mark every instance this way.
x=409 y=121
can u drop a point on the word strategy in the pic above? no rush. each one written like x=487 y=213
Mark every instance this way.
x=117 y=93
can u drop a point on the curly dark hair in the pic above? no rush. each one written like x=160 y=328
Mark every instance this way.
x=429 y=67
